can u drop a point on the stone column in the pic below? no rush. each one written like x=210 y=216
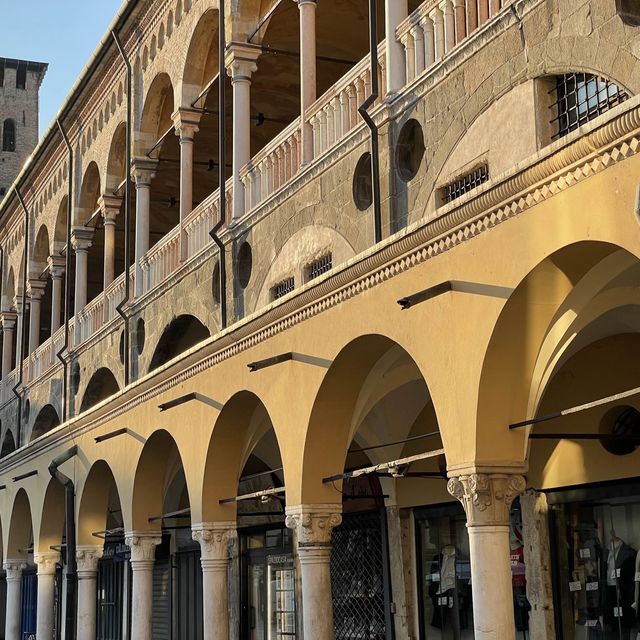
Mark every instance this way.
x=110 y=207
x=13 y=613
x=214 y=540
x=308 y=82
x=143 y=548
x=313 y=525
x=395 y=12
x=449 y=25
x=8 y=334
x=46 y=563
x=144 y=171
x=186 y=125
x=17 y=305
x=87 y=557
x=460 y=19
x=81 y=238
x=241 y=63
x=56 y=269
x=487 y=499
x=437 y=18
x=35 y=289
x=472 y=15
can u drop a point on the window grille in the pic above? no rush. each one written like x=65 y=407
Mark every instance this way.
x=282 y=288
x=319 y=266
x=581 y=97
x=466 y=183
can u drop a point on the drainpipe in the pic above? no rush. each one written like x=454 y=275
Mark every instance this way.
x=364 y=113
x=127 y=214
x=22 y=324
x=67 y=284
x=70 y=535
x=222 y=205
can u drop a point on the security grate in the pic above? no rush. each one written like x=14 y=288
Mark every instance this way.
x=581 y=97
x=466 y=183
x=282 y=288
x=358 y=578
x=319 y=266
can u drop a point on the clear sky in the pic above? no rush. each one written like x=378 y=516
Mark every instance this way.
x=63 y=33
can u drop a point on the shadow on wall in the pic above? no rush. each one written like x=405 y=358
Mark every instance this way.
x=46 y=420
x=101 y=386
x=181 y=334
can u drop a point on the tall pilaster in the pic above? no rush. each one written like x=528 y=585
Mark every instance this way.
x=13 y=612
x=214 y=540
x=487 y=499
x=110 y=207
x=308 y=74
x=313 y=525
x=9 y=319
x=46 y=563
x=35 y=290
x=396 y=12
x=81 y=238
x=87 y=558
x=144 y=171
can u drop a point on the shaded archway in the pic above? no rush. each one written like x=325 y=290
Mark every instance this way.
x=181 y=334
x=39 y=271
x=51 y=534
x=8 y=444
x=102 y=385
x=46 y=420
x=20 y=528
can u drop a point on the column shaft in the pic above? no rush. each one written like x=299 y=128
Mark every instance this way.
x=241 y=139
x=109 y=251
x=143 y=196
x=395 y=12
x=8 y=335
x=81 y=280
x=87 y=559
x=46 y=563
x=56 y=302
x=308 y=76
x=34 y=324
x=142 y=560
x=13 y=612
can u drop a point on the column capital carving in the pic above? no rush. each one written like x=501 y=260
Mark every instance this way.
x=301 y=3
x=35 y=288
x=14 y=569
x=56 y=266
x=186 y=123
x=314 y=523
x=143 y=545
x=8 y=319
x=214 y=538
x=81 y=238
x=487 y=498
x=87 y=557
x=47 y=562
x=240 y=60
x=110 y=207
x=143 y=171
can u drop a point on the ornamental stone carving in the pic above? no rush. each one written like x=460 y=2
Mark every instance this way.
x=47 y=563
x=143 y=545
x=214 y=538
x=313 y=524
x=87 y=557
x=13 y=569
x=486 y=498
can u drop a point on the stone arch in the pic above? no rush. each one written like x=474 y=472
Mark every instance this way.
x=9 y=290
x=41 y=252
x=46 y=420
x=52 y=519
x=90 y=191
x=156 y=113
x=8 y=444
x=179 y=335
x=102 y=385
x=116 y=170
x=60 y=229
x=20 y=528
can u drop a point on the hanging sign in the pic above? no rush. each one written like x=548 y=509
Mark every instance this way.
x=592 y=586
x=575 y=586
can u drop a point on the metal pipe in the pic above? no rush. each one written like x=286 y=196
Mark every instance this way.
x=127 y=214
x=61 y=355
x=70 y=535
x=364 y=113
x=222 y=204
x=265 y=493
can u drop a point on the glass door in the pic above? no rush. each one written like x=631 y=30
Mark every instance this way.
x=281 y=598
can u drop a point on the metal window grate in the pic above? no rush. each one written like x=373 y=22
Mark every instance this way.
x=466 y=183
x=319 y=266
x=581 y=97
x=282 y=288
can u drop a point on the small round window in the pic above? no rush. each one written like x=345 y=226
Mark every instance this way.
x=622 y=425
x=244 y=264
x=410 y=150
x=362 y=183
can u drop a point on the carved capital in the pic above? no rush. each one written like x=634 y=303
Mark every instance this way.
x=9 y=319
x=240 y=61
x=56 y=266
x=36 y=288
x=110 y=207
x=46 y=562
x=14 y=569
x=486 y=498
x=81 y=238
x=143 y=171
x=313 y=524
x=87 y=557
x=143 y=545
x=214 y=538
x=186 y=123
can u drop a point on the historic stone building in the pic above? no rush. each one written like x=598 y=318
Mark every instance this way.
x=337 y=340
x=20 y=82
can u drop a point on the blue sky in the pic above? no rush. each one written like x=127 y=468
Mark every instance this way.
x=63 y=33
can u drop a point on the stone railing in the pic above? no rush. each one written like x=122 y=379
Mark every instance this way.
x=8 y=383
x=91 y=318
x=114 y=295
x=41 y=360
x=162 y=259
x=437 y=26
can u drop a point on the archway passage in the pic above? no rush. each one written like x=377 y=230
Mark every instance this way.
x=46 y=420
x=39 y=271
x=102 y=385
x=181 y=334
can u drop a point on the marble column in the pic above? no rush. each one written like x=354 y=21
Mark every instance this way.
x=313 y=525
x=144 y=171
x=81 y=238
x=17 y=305
x=35 y=289
x=308 y=74
x=241 y=63
x=143 y=548
x=87 y=558
x=56 y=270
x=395 y=13
x=214 y=540
x=13 y=612
x=487 y=498
x=46 y=563
x=9 y=319
x=110 y=207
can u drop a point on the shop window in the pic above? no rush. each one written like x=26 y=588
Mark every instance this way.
x=580 y=98
x=283 y=288
x=21 y=76
x=622 y=424
x=629 y=11
x=410 y=150
x=316 y=268
x=465 y=183
x=9 y=135
x=363 y=183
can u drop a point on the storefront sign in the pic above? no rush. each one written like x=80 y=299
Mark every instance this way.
x=617 y=612
x=575 y=586
x=592 y=586
x=585 y=553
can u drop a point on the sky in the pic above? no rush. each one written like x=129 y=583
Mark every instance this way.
x=63 y=33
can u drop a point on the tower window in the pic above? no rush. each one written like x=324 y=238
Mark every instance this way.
x=21 y=76
x=9 y=135
x=580 y=98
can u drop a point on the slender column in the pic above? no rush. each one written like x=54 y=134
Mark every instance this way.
x=110 y=207
x=449 y=25
x=35 y=289
x=308 y=83
x=46 y=563
x=214 y=540
x=438 y=32
x=241 y=63
x=81 y=238
x=487 y=499
x=13 y=617
x=472 y=15
x=56 y=269
x=9 y=319
x=460 y=20
x=483 y=11
x=144 y=171
x=313 y=525
x=87 y=558
x=143 y=547
x=396 y=11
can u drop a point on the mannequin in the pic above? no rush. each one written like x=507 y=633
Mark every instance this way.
x=636 y=600
x=620 y=589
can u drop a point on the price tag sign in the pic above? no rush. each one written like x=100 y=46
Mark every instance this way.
x=585 y=553
x=591 y=623
x=618 y=573
x=617 y=612
x=575 y=586
x=435 y=577
x=592 y=586
x=442 y=602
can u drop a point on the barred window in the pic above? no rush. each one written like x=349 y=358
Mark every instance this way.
x=319 y=266
x=466 y=183
x=282 y=288
x=581 y=97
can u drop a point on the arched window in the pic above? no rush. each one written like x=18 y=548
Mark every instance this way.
x=9 y=135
